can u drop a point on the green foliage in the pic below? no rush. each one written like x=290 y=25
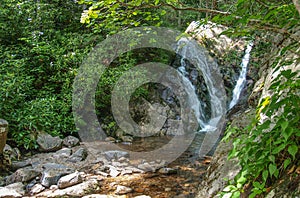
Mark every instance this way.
x=41 y=47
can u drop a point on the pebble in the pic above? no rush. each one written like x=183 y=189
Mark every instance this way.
x=121 y=190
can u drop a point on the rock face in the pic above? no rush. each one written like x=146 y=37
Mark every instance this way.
x=22 y=175
x=47 y=143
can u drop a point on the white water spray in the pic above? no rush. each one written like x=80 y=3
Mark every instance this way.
x=242 y=78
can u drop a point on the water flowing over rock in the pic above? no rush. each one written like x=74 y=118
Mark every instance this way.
x=242 y=78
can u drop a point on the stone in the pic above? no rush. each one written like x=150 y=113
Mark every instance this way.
x=47 y=143
x=70 y=141
x=78 y=190
x=122 y=190
x=64 y=152
x=9 y=193
x=126 y=138
x=69 y=180
x=98 y=196
x=113 y=172
x=116 y=154
x=167 y=171
x=19 y=187
x=22 y=175
x=78 y=156
x=15 y=165
x=110 y=139
x=37 y=189
x=53 y=172
x=146 y=167
x=142 y=196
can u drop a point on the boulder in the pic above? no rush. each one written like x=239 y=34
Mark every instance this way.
x=115 y=154
x=122 y=190
x=78 y=156
x=22 y=175
x=69 y=180
x=53 y=172
x=78 y=190
x=47 y=143
x=70 y=141
x=18 y=187
x=9 y=193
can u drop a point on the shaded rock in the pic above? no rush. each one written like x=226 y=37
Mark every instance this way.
x=122 y=190
x=78 y=190
x=22 y=175
x=78 y=156
x=47 y=143
x=9 y=193
x=70 y=141
x=37 y=189
x=53 y=172
x=20 y=164
x=69 y=180
x=115 y=154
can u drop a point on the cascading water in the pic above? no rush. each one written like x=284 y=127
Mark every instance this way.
x=242 y=78
x=200 y=59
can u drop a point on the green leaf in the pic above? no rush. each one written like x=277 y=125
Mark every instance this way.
x=265 y=175
x=272 y=158
x=229 y=188
x=279 y=148
x=236 y=194
x=272 y=169
x=286 y=162
x=293 y=149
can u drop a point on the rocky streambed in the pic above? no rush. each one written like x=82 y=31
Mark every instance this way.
x=81 y=170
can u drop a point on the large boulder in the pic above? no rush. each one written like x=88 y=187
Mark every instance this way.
x=47 y=143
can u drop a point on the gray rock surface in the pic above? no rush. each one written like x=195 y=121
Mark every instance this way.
x=53 y=172
x=22 y=175
x=70 y=141
x=115 y=154
x=37 y=189
x=80 y=155
x=9 y=193
x=47 y=143
x=69 y=180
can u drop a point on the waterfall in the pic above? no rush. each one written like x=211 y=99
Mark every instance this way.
x=191 y=51
x=242 y=78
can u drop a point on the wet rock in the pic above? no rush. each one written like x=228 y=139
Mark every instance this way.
x=37 y=189
x=47 y=143
x=70 y=141
x=9 y=193
x=115 y=154
x=78 y=156
x=122 y=190
x=78 y=190
x=53 y=172
x=69 y=180
x=22 y=175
